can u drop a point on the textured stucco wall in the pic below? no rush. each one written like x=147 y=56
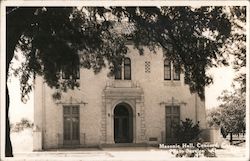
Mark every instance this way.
x=157 y=94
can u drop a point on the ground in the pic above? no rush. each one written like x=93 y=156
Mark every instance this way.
x=22 y=146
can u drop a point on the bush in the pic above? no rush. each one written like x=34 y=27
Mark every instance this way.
x=20 y=126
x=196 y=152
x=186 y=131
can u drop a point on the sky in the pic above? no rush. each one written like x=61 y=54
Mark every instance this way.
x=223 y=77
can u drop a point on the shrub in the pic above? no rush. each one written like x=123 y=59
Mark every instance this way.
x=186 y=131
x=196 y=152
x=20 y=126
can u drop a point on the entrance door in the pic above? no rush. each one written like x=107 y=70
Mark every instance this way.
x=71 y=125
x=123 y=124
x=172 y=119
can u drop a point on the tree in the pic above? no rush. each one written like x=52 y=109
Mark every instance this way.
x=50 y=38
x=231 y=114
x=19 y=126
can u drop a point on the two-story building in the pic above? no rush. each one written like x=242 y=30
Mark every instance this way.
x=138 y=105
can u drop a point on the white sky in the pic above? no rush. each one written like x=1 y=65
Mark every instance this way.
x=223 y=77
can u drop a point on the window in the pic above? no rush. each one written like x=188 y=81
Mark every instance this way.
x=127 y=69
x=118 y=72
x=71 y=70
x=176 y=71
x=147 y=66
x=71 y=130
x=123 y=71
x=167 y=69
x=171 y=69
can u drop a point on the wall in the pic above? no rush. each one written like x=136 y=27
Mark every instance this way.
x=157 y=93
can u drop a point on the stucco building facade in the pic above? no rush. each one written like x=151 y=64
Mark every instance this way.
x=137 y=106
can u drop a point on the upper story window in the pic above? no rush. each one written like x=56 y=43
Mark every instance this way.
x=71 y=70
x=171 y=69
x=123 y=71
x=118 y=72
x=147 y=66
x=127 y=69
x=167 y=69
x=176 y=71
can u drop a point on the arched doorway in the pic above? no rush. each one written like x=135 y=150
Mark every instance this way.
x=123 y=123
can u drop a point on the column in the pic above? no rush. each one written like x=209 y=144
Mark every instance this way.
x=38 y=113
x=109 y=123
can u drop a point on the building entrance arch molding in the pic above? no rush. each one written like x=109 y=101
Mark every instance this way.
x=130 y=103
x=133 y=97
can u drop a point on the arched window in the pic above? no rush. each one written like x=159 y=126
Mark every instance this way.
x=167 y=69
x=176 y=71
x=127 y=69
x=118 y=72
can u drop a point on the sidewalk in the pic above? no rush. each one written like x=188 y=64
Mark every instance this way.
x=115 y=154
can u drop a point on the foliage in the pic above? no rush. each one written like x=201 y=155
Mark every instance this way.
x=51 y=40
x=23 y=124
x=186 y=131
x=181 y=31
x=194 y=153
x=231 y=114
x=213 y=117
x=236 y=45
x=223 y=132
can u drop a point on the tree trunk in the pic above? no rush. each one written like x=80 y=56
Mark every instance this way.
x=8 y=145
x=17 y=21
x=12 y=36
x=231 y=138
x=10 y=47
x=9 y=55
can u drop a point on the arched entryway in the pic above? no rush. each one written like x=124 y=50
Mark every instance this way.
x=123 y=123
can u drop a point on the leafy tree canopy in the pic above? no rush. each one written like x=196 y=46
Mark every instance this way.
x=51 y=38
x=231 y=114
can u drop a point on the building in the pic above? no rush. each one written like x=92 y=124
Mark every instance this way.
x=138 y=105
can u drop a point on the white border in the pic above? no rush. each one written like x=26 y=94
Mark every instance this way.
x=247 y=83
x=124 y=3
x=2 y=79
x=113 y=3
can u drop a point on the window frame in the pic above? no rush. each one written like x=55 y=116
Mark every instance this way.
x=127 y=65
x=147 y=67
x=176 y=71
x=124 y=70
x=118 y=70
x=71 y=116
x=73 y=73
x=168 y=66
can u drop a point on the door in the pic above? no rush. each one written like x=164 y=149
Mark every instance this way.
x=122 y=124
x=71 y=130
x=172 y=119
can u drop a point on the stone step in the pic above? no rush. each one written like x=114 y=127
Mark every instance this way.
x=124 y=145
